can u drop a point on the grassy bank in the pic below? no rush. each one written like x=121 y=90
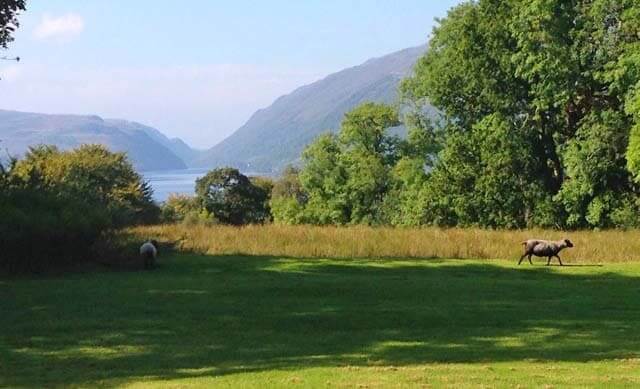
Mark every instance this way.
x=367 y=242
x=206 y=320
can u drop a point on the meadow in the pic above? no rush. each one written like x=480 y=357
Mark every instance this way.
x=208 y=318
x=387 y=242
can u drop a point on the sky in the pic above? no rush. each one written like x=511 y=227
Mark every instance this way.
x=199 y=70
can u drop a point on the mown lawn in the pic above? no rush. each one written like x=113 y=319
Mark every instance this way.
x=267 y=321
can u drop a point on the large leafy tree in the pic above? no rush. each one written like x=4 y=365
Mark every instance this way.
x=9 y=10
x=368 y=154
x=231 y=197
x=324 y=179
x=346 y=176
x=537 y=97
x=404 y=202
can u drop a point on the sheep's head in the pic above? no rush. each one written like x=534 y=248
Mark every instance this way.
x=568 y=243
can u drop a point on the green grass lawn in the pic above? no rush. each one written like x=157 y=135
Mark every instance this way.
x=263 y=321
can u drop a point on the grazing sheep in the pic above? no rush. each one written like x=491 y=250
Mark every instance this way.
x=149 y=252
x=544 y=248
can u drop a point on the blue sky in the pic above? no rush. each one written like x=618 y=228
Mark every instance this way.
x=198 y=70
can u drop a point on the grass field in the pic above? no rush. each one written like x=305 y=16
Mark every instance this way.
x=591 y=247
x=205 y=320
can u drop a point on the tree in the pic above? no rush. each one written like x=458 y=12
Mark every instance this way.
x=536 y=97
x=288 y=198
x=323 y=179
x=405 y=203
x=231 y=197
x=9 y=10
x=346 y=176
x=368 y=155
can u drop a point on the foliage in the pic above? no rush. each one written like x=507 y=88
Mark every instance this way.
x=265 y=184
x=324 y=179
x=9 y=10
x=345 y=177
x=363 y=175
x=186 y=209
x=232 y=198
x=288 y=198
x=633 y=150
x=537 y=110
x=56 y=205
x=539 y=126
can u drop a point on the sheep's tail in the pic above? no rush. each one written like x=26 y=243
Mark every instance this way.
x=524 y=242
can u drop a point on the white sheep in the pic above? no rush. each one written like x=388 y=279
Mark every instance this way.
x=544 y=248
x=149 y=252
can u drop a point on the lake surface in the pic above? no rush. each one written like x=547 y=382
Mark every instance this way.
x=166 y=182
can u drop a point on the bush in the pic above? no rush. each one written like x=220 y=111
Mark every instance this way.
x=57 y=205
x=177 y=207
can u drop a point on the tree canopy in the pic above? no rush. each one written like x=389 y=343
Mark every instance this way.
x=539 y=102
x=231 y=198
x=9 y=10
x=538 y=125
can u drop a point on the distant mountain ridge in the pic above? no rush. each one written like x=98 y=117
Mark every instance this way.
x=272 y=138
x=275 y=136
x=147 y=147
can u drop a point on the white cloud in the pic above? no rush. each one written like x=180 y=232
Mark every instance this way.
x=59 y=28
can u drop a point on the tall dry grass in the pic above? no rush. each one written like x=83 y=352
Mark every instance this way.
x=370 y=242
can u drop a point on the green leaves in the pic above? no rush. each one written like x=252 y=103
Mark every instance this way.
x=9 y=10
x=539 y=98
x=231 y=197
x=56 y=206
x=539 y=127
x=346 y=179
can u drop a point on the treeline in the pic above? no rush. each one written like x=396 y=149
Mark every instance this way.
x=539 y=126
x=59 y=207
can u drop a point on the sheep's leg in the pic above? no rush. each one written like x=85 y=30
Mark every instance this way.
x=521 y=258
x=531 y=263
x=548 y=261
x=557 y=256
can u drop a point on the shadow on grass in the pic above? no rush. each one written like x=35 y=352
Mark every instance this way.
x=215 y=315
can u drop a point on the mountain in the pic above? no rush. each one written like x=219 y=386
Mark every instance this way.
x=275 y=136
x=147 y=148
x=176 y=145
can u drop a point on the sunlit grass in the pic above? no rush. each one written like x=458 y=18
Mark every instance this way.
x=368 y=242
x=238 y=321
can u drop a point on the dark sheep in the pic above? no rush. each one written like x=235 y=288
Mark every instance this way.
x=149 y=252
x=544 y=248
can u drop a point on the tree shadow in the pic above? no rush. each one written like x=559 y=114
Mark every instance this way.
x=215 y=315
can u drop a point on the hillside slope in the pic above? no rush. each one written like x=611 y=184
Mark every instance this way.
x=20 y=130
x=275 y=136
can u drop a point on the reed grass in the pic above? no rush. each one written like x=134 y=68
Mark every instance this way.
x=386 y=242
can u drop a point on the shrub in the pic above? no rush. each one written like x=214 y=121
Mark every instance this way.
x=56 y=205
x=177 y=207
